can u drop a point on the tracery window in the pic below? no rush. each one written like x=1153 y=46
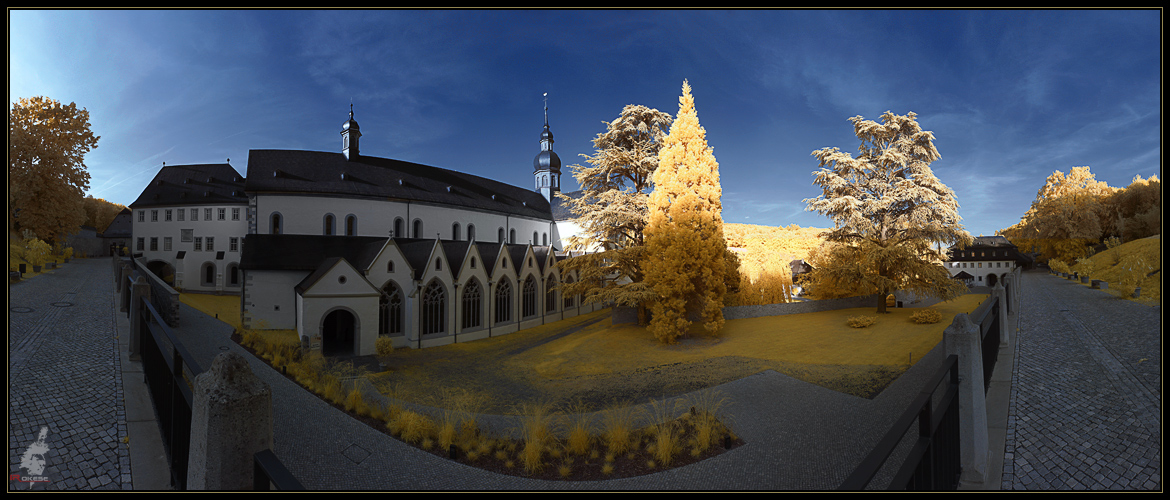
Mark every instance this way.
x=472 y=304
x=434 y=308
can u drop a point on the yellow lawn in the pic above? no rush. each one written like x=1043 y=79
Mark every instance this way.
x=811 y=338
x=226 y=308
x=1148 y=248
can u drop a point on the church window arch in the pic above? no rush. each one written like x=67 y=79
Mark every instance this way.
x=399 y=227
x=550 y=294
x=529 y=297
x=471 y=232
x=327 y=225
x=434 y=308
x=418 y=228
x=351 y=225
x=512 y=236
x=455 y=232
x=274 y=223
x=500 y=235
x=472 y=304
x=390 y=310
x=503 y=301
x=568 y=302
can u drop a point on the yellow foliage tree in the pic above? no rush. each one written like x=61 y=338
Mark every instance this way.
x=47 y=143
x=889 y=210
x=685 y=250
x=1068 y=216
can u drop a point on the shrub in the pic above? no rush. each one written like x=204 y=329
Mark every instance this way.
x=926 y=316
x=383 y=346
x=861 y=321
x=36 y=252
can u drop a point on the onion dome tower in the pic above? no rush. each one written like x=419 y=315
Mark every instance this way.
x=349 y=137
x=547 y=164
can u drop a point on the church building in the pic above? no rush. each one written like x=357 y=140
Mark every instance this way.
x=344 y=247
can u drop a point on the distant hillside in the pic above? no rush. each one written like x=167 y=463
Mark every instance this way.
x=1150 y=249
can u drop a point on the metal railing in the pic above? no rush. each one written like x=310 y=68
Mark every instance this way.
x=169 y=371
x=269 y=473
x=933 y=462
x=988 y=322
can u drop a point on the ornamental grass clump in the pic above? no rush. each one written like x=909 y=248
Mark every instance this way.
x=535 y=421
x=861 y=321
x=617 y=428
x=926 y=316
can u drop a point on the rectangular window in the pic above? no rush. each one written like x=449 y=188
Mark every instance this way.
x=182 y=214
x=210 y=244
x=235 y=214
x=198 y=244
x=167 y=244
x=167 y=215
x=222 y=214
x=154 y=244
x=186 y=234
x=234 y=244
x=141 y=216
x=141 y=244
x=154 y=216
x=194 y=214
x=207 y=214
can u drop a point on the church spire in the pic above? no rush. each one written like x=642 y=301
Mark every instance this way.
x=349 y=137
x=547 y=164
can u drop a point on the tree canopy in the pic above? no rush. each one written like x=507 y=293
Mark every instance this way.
x=686 y=255
x=611 y=210
x=889 y=211
x=47 y=143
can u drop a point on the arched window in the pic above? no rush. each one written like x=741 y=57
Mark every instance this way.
x=351 y=225
x=550 y=294
x=390 y=310
x=512 y=236
x=568 y=302
x=327 y=230
x=544 y=239
x=208 y=274
x=434 y=308
x=233 y=274
x=500 y=235
x=471 y=232
x=529 y=298
x=455 y=231
x=275 y=223
x=399 y=228
x=535 y=237
x=472 y=304
x=503 y=301
x=418 y=228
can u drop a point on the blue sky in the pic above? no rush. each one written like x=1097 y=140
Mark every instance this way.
x=1011 y=96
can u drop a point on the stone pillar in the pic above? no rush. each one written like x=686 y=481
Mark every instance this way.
x=231 y=420
x=1000 y=295
x=139 y=291
x=123 y=276
x=962 y=339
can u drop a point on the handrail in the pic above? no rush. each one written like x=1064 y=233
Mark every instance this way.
x=268 y=471
x=873 y=462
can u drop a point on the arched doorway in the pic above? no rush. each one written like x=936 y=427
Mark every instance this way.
x=164 y=270
x=338 y=331
x=991 y=279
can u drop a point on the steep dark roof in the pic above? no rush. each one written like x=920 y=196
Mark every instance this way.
x=207 y=184
x=121 y=227
x=325 y=173
x=988 y=248
x=303 y=252
x=561 y=210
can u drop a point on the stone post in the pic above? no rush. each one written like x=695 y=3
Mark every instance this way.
x=124 y=275
x=139 y=291
x=231 y=421
x=962 y=339
x=1000 y=295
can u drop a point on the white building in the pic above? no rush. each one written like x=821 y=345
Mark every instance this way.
x=189 y=224
x=988 y=261
x=344 y=247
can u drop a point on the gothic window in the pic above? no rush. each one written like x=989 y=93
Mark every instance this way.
x=434 y=308
x=390 y=310
x=208 y=274
x=472 y=304
x=529 y=298
x=550 y=294
x=503 y=301
x=233 y=275
x=568 y=298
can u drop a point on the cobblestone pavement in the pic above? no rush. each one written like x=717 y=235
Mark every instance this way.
x=1086 y=403
x=65 y=404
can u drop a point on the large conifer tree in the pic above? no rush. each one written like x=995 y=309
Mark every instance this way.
x=685 y=264
x=889 y=212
